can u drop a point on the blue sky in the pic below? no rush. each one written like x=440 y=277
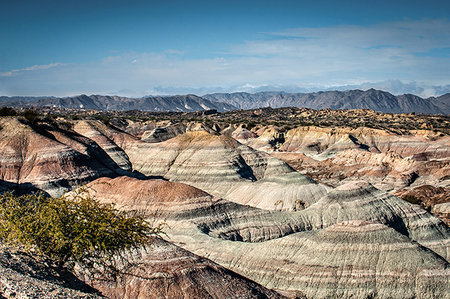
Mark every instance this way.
x=150 y=47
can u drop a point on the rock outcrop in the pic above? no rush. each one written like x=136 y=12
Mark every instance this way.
x=103 y=136
x=52 y=160
x=392 y=162
x=231 y=206
x=22 y=276
x=220 y=165
x=356 y=241
x=154 y=197
x=167 y=271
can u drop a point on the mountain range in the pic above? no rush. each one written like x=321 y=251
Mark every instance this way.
x=185 y=103
x=377 y=100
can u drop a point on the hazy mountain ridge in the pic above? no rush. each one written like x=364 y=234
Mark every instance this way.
x=443 y=102
x=184 y=103
x=353 y=99
x=377 y=100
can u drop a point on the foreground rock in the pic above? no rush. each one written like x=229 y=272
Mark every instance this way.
x=356 y=241
x=350 y=259
x=168 y=271
x=22 y=276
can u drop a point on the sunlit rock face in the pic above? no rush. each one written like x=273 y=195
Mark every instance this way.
x=104 y=137
x=220 y=165
x=356 y=241
x=49 y=159
x=167 y=271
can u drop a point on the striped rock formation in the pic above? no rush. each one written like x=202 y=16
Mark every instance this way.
x=48 y=158
x=325 y=142
x=167 y=271
x=356 y=241
x=102 y=135
x=223 y=167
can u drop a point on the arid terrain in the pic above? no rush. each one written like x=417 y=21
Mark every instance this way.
x=263 y=203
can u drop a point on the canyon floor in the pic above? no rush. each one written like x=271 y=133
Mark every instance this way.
x=264 y=203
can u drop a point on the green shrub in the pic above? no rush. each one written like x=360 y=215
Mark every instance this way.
x=6 y=111
x=30 y=115
x=75 y=230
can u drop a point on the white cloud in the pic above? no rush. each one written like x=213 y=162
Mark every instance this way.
x=30 y=68
x=331 y=56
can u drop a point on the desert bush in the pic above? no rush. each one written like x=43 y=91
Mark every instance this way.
x=50 y=119
x=6 y=111
x=30 y=115
x=250 y=125
x=74 y=230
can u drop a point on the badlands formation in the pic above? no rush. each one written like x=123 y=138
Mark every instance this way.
x=255 y=212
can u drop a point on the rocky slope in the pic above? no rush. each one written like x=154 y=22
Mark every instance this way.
x=389 y=160
x=442 y=102
x=353 y=99
x=355 y=241
x=48 y=158
x=167 y=271
x=231 y=203
x=220 y=165
x=164 y=270
x=22 y=276
x=103 y=136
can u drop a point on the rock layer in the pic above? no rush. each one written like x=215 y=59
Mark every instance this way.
x=356 y=241
x=168 y=271
x=98 y=133
x=49 y=160
x=220 y=165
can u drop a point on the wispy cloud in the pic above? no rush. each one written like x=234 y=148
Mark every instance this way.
x=30 y=68
x=410 y=51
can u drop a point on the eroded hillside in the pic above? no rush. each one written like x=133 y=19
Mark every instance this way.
x=266 y=203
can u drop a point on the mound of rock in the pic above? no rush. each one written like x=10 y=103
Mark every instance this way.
x=155 y=197
x=103 y=136
x=356 y=241
x=22 y=276
x=223 y=167
x=52 y=160
x=167 y=271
